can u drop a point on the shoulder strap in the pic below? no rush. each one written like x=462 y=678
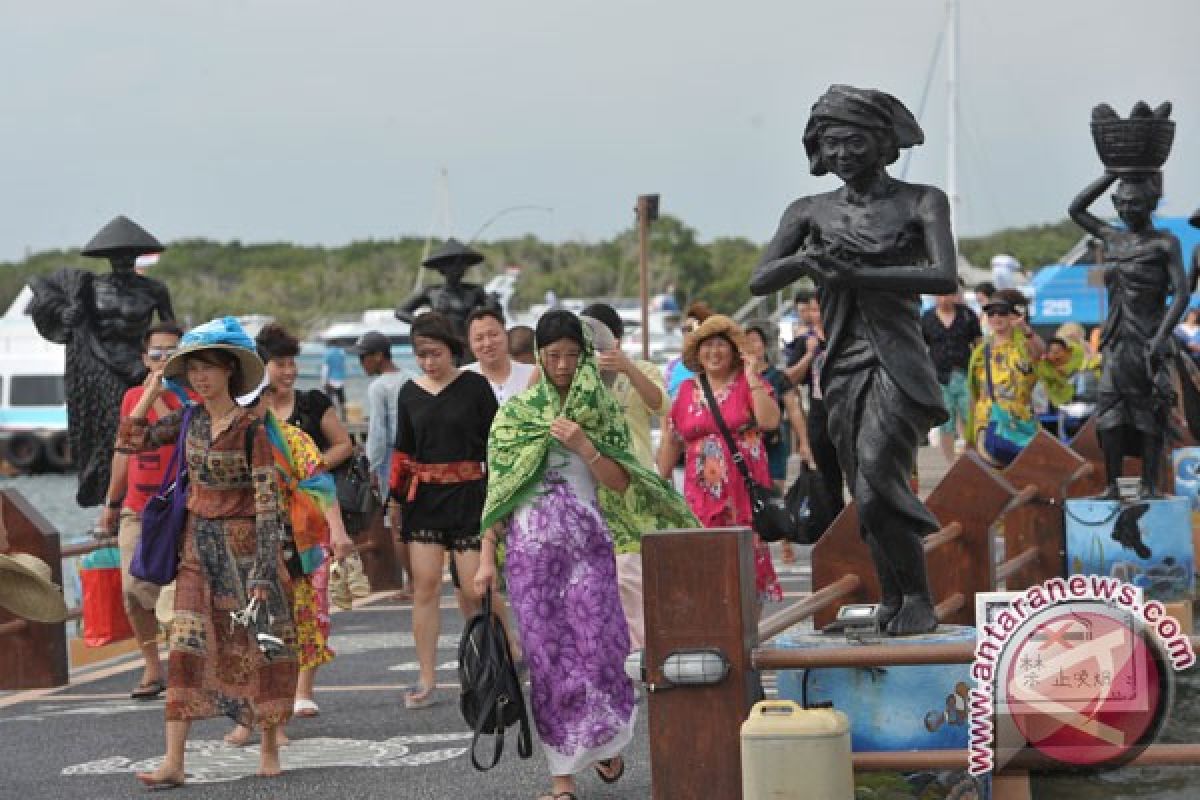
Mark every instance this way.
x=177 y=466
x=249 y=442
x=987 y=370
x=734 y=452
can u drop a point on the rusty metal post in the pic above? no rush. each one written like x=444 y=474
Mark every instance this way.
x=699 y=595
x=647 y=212
x=33 y=656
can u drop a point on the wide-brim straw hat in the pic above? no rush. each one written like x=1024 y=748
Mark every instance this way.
x=716 y=325
x=26 y=589
x=225 y=334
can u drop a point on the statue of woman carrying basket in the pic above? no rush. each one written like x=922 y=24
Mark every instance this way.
x=1143 y=268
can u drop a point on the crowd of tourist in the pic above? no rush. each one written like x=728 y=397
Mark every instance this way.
x=526 y=461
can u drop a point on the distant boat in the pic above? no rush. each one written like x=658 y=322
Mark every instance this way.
x=33 y=408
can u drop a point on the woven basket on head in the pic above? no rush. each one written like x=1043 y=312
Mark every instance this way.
x=1133 y=145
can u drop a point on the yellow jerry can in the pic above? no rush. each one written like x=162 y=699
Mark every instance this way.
x=794 y=753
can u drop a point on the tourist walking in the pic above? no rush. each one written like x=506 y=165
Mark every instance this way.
x=374 y=352
x=489 y=344
x=563 y=484
x=713 y=485
x=637 y=386
x=951 y=331
x=230 y=551
x=312 y=412
x=442 y=423
x=1000 y=379
x=133 y=479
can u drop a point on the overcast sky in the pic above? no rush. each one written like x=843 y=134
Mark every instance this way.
x=324 y=122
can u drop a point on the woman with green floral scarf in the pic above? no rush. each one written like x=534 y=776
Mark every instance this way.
x=563 y=485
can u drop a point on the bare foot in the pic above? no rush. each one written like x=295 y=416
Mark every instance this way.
x=268 y=765
x=281 y=738
x=162 y=778
x=239 y=736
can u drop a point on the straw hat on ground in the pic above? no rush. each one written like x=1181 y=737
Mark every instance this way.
x=716 y=325
x=27 y=591
x=226 y=334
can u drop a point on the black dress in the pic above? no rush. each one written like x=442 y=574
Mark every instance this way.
x=444 y=428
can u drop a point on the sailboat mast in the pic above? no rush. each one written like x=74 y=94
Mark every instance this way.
x=952 y=113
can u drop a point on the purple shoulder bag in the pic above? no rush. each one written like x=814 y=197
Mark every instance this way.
x=156 y=558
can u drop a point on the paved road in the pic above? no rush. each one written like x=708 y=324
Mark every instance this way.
x=87 y=740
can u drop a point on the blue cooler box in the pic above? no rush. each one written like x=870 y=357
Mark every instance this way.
x=921 y=707
x=1147 y=544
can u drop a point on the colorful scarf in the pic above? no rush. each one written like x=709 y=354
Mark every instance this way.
x=520 y=440
x=309 y=488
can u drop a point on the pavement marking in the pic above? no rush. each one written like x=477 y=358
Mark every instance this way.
x=210 y=761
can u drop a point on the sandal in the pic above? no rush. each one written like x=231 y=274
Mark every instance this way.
x=305 y=707
x=611 y=770
x=148 y=690
x=420 y=697
x=559 y=796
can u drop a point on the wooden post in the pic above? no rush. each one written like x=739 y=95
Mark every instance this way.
x=699 y=595
x=647 y=212
x=35 y=656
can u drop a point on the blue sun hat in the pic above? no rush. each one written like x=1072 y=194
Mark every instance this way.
x=223 y=333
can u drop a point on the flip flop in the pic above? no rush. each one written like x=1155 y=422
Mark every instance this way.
x=559 y=796
x=148 y=690
x=420 y=697
x=605 y=769
x=303 y=707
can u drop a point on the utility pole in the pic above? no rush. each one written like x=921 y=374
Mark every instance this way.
x=952 y=114
x=647 y=212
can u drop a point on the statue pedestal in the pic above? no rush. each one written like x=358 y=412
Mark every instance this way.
x=893 y=708
x=1164 y=569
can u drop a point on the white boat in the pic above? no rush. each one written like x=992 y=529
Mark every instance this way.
x=33 y=407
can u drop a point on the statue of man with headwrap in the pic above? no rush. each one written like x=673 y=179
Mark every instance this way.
x=455 y=298
x=873 y=246
x=102 y=319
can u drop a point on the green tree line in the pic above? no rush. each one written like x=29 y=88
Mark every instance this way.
x=303 y=285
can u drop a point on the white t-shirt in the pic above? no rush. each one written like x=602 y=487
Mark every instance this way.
x=519 y=375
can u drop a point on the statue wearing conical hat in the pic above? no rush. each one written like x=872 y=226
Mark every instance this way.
x=455 y=298
x=102 y=319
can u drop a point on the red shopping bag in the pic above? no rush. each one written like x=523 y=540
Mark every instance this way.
x=104 y=620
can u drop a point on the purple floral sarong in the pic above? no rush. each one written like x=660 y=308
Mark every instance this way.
x=562 y=585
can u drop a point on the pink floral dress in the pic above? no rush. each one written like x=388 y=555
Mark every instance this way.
x=712 y=485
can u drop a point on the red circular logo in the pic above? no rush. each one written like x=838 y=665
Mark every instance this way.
x=1084 y=685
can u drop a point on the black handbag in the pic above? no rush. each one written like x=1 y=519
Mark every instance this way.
x=356 y=497
x=491 y=700
x=774 y=519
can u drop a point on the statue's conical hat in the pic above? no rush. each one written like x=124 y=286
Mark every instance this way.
x=453 y=253
x=122 y=236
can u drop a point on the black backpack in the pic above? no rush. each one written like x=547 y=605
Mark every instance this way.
x=491 y=699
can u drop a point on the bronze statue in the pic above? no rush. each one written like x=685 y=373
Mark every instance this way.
x=102 y=319
x=1143 y=267
x=873 y=246
x=455 y=298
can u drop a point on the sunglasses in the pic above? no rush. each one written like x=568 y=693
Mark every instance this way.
x=159 y=354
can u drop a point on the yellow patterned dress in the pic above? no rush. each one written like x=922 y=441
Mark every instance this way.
x=311 y=593
x=232 y=544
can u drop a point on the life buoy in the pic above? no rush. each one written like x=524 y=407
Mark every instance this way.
x=23 y=451
x=58 y=451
